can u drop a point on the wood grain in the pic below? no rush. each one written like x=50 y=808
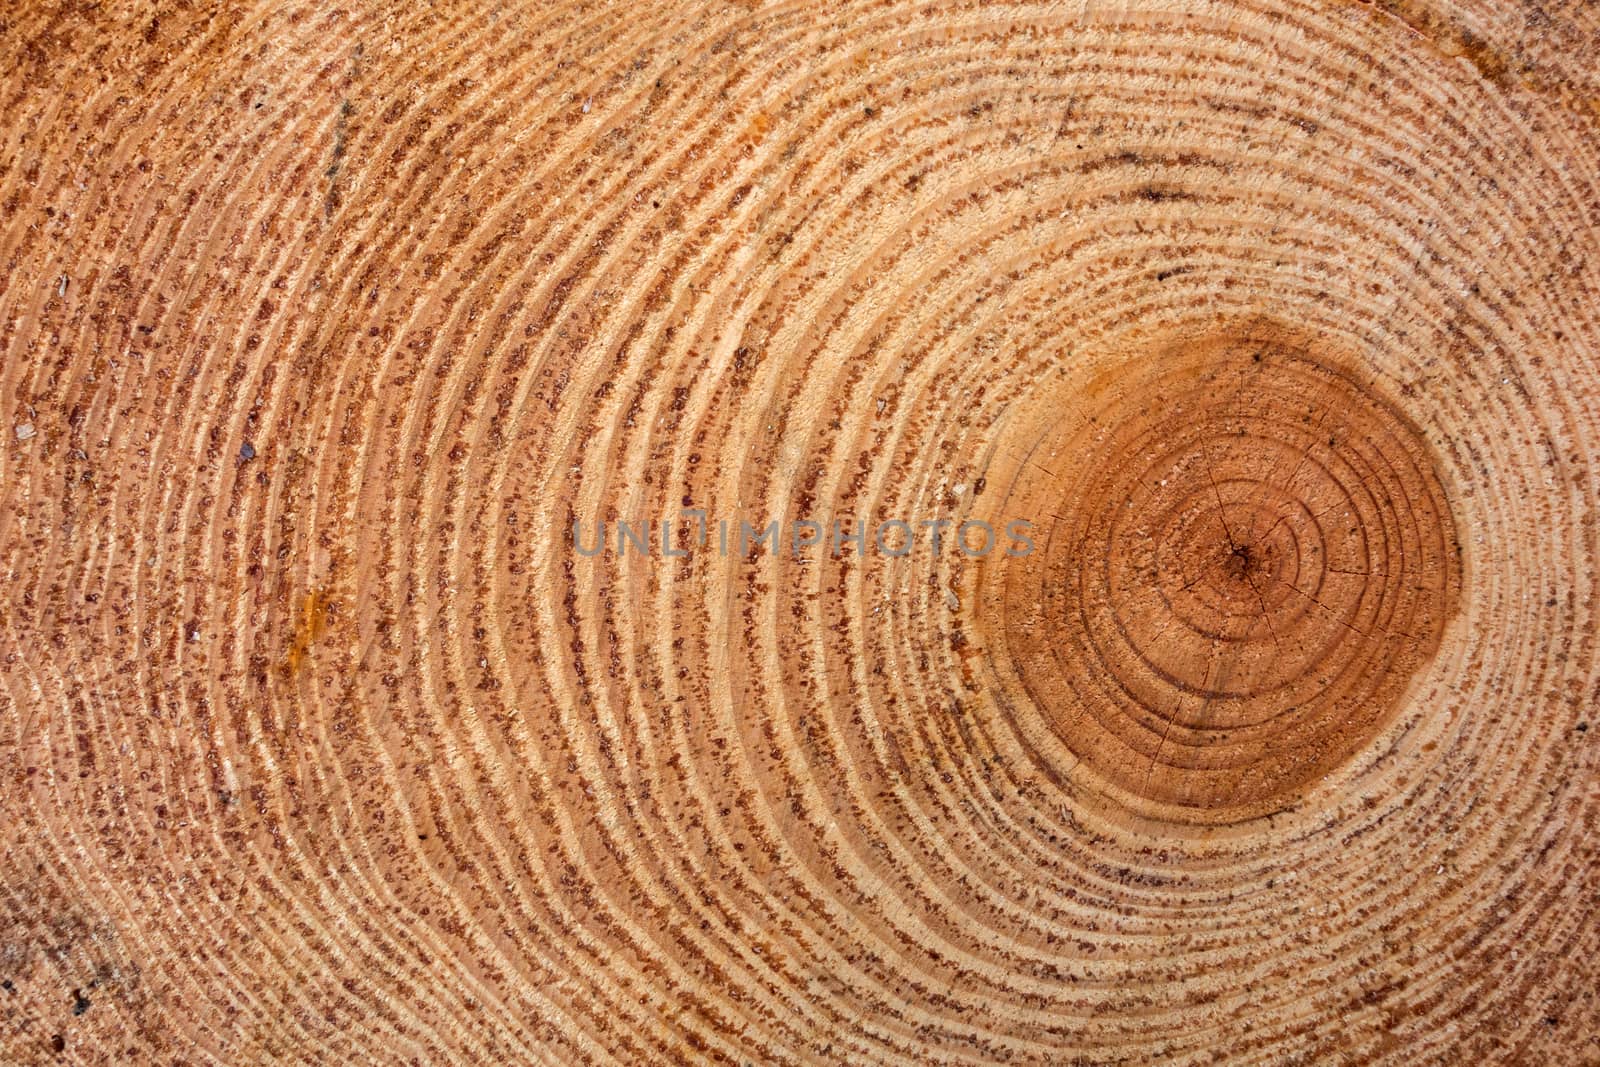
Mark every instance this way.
x=320 y=327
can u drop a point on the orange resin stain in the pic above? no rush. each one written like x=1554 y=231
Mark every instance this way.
x=309 y=627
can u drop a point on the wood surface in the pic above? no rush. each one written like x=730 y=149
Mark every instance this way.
x=322 y=324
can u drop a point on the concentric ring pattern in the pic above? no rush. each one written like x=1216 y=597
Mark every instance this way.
x=1248 y=556
x=320 y=327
